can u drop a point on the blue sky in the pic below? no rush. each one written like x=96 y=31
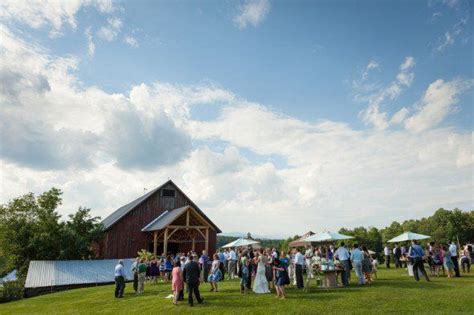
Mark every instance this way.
x=300 y=60
x=367 y=72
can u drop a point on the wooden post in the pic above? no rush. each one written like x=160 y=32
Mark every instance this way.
x=207 y=241
x=194 y=243
x=165 y=243
x=187 y=217
x=155 y=243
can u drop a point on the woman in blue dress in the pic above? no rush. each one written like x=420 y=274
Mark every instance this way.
x=215 y=275
x=281 y=277
x=168 y=268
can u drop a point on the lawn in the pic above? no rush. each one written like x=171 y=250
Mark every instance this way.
x=394 y=291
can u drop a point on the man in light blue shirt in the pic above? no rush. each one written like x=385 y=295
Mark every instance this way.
x=119 y=279
x=416 y=254
x=453 y=250
x=343 y=255
x=356 y=257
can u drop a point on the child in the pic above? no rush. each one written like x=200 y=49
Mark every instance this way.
x=375 y=264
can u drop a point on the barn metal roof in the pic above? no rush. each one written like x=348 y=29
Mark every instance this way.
x=122 y=211
x=165 y=219
x=46 y=273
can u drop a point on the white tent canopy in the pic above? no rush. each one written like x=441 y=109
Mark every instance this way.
x=408 y=236
x=326 y=237
x=241 y=242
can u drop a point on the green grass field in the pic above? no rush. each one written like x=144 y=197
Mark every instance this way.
x=393 y=292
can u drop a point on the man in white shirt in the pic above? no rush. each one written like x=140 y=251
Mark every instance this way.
x=120 y=279
x=299 y=263
x=232 y=259
x=386 y=251
x=343 y=255
x=308 y=256
x=453 y=250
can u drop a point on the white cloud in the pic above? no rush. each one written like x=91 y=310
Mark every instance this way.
x=90 y=42
x=451 y=3
x=455 y=33
x=438 y=102
x=56 y=14
x=447 y=41
x=252 y=12
x=399 y=116
x=131 y=41
x=110 y=31
x=109 y=144
x=370 y=66
x=111 y=124
x=372 y=114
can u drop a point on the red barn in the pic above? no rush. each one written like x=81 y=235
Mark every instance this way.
x=164 y=220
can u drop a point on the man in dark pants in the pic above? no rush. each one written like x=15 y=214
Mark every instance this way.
x=182 y=265
x=416 y=253
x=397 y=253
x=386 y=252
x=250 y=267
x=453 y=250
x=191 y=277
x=344 y=257
x=299 y=263
x=119 y=279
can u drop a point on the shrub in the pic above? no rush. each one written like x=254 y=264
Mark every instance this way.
x=11 y=291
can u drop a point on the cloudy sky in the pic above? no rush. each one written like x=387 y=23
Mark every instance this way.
x=275 y=117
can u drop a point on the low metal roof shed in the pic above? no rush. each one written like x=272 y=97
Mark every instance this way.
x=49 y=273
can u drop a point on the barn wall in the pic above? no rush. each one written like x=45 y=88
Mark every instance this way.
x=125 y=238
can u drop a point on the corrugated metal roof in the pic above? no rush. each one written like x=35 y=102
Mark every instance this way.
x=45 y=273
x=122 y=211
x=9 y=277
x=165 y=219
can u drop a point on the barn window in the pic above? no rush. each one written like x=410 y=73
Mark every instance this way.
x=168 y=193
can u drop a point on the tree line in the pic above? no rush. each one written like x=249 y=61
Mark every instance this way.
x=443 y=226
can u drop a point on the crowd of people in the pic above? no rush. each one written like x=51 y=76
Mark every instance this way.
x=264 y=270
x=445 y=258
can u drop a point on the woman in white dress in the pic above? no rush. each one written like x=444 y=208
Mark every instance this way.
x=260 y=286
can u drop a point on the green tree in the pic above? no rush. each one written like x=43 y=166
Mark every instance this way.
x=30 y=229
x=80 y=231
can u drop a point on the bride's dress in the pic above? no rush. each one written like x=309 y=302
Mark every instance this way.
x=261 y=284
